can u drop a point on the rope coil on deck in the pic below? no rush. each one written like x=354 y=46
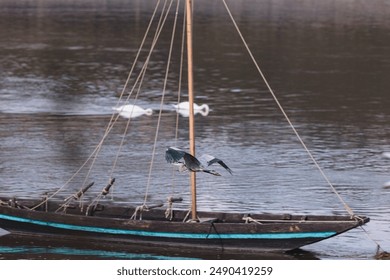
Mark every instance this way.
x=249 y=219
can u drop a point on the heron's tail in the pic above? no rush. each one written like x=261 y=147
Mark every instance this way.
x=213 y=172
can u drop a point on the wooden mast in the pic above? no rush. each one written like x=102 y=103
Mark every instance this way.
x=191 y=105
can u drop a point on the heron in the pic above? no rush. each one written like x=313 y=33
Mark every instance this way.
x=187 y=161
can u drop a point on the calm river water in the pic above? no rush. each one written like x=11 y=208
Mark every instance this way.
x=63 y=65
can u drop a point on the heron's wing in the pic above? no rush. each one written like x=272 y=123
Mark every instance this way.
x=211 y=160
x=192 y=162
x=174 y=155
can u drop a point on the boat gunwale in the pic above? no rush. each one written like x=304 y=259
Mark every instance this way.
x=120 y=214
x=148 y=218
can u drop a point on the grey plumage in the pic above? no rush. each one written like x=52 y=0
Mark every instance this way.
x=211 y=160
x=185 y=160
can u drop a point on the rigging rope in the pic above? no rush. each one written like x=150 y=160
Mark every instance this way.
x=179 y=91
x=113 y=120
x=141 y=76
x=142 y=72
x=114 y=117
x=180 y=72
x=347 y=208
x=138 y=82
x=162 y=97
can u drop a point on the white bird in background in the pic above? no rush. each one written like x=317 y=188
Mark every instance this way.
x=386 y=155
x=183 y=109
x=132 y=111
x=187 y=161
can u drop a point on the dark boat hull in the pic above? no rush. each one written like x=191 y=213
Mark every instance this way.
x=216 y=232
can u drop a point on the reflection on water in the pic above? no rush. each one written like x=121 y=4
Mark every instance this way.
x=64 y=64
x=46 y=246
x=72 y=253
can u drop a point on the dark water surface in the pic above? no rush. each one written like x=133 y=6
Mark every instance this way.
x=64 y=63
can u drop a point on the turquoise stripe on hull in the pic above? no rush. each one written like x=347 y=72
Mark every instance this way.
x=286 y=235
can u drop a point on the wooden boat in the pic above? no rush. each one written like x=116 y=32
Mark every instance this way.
x=214 y=232
x=175 y=232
